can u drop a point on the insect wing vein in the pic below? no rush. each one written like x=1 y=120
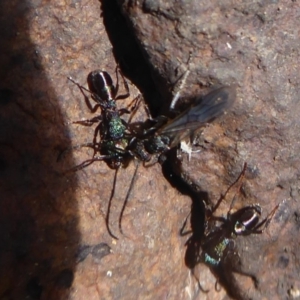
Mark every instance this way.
x=204 y=110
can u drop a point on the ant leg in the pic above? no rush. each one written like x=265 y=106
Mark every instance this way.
x=218 y=219
x=233 y=264
x=151 y=163
x=117 y=76
x=109 y=205
x=89 y=122
x=192 y=258
x=63 y=152
x=159 y=121
x=137 y=101
x=240 y=178
x=88 y=162
x=82 y=88
x=147 y=110
x=124 y=96
x=200 y=287
x=217 y=286
x=127 y=197
x=181 y=232
x=86 y=98
x=96 y=131
x=91 y=145
x=134 y=103
x=225 y=277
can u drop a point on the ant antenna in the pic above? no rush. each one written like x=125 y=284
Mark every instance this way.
x=127 y=197
x=82 y=88
x=109 y=205
x=241 y=176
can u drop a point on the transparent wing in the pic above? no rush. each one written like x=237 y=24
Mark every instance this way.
x=205 y=110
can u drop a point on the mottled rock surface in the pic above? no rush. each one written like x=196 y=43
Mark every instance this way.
x=54 y=240
x=254 y=45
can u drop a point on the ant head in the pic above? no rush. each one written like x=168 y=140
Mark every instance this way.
x=101 y=85
x=246 y=219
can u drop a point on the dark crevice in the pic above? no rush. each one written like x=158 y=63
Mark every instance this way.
x=197 y=214
x=135 y=67
x=129 y=55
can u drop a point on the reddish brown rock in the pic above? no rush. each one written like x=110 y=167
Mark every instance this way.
x=51 y=222
x=254 y=45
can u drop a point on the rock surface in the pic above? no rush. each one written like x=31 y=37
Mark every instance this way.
x=255 y=46
x=55 y=243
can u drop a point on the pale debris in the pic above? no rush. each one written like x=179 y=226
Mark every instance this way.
x=186 y=147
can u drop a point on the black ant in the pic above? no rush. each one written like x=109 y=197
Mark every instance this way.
x=113 y=130
x=216 y=246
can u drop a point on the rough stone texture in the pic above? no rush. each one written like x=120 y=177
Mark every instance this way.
x=51 y=223
x=256 y=46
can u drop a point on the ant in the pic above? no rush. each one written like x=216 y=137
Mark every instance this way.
x=159 y=139
x=112 y=129
x=114 y=132
x=215 y=246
